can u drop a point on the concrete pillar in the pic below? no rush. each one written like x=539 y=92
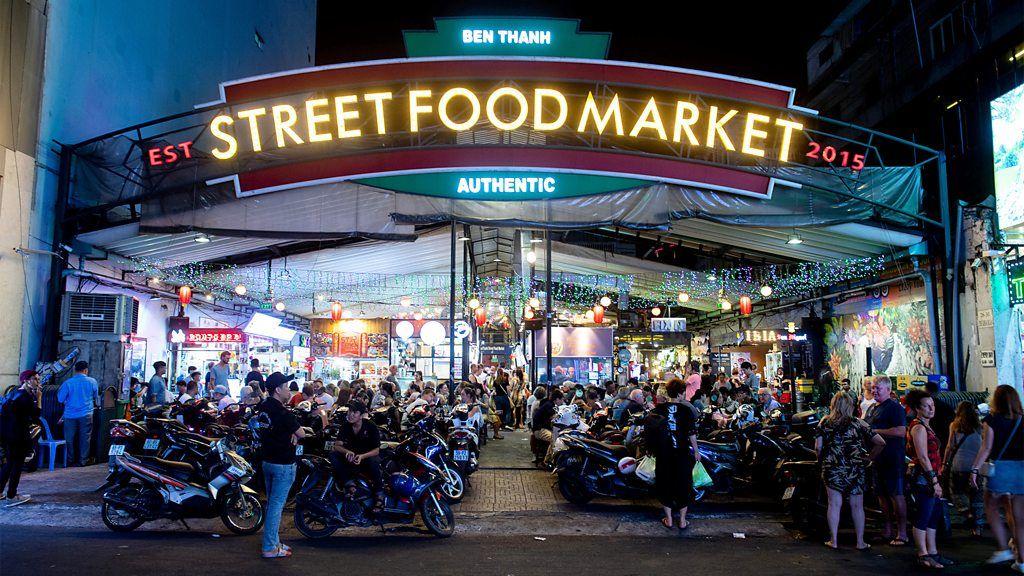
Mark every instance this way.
x=992 y=343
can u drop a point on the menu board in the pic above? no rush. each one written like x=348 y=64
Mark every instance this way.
x=348 y=345
x=375 y=345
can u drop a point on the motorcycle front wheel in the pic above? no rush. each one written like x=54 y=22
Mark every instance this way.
x=310 y=524
x=120 y=520
x=572 y=489
x=454 y=487
x=242 y=513
x=438 y=516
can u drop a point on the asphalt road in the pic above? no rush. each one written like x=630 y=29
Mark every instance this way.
x=42 y=551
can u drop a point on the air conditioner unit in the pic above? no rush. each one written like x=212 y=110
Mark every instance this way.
x=87 y=316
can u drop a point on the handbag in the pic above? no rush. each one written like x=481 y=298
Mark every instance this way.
x=701 y=478
x=988 y=468
x=645 y=469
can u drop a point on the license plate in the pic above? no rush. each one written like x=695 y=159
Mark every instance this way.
x=329 y=446
x=236 y=471
x=116 y=449
x=298 y=450
x=151 y=444
x=788 y=493
x=461 y=455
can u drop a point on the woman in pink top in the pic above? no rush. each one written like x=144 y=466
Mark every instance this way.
x=692 y=378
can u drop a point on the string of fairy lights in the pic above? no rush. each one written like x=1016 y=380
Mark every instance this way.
x=572 y=293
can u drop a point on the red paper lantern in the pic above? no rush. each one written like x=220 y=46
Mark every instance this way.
x=184 y=296
x=335 y=311
x=481 y=316
x=746 y=305
x=598 y=313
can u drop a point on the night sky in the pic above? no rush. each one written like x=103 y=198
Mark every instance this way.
x=764 y=41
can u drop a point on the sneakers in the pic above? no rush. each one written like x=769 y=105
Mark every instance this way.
x=1000 y=556
x=1018 y=567
x=17 y=500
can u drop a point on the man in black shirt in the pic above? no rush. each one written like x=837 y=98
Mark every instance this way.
x=358 y=447
x=255 y=375
x=542 y=417
x=279 y=450
x=707 y=379
x=20 y=411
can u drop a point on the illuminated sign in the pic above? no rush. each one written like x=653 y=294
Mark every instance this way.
x=1015 y=277
x=503 y=185
x=170 y=154
x=507 y=36
x=214 y=336
x=769 y=336
x=668 y=324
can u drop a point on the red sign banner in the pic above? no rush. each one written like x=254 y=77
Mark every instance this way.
x=214 y=336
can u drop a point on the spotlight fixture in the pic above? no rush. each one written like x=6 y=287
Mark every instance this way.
x=279 y=306
x=241 y=289
x=683 y=298
x=531 y=257
x=201 y=238
x=795 y=238
x=209 y=297
x=726 y=305
x=606 y=301
x=656 y=311
x=473 y=303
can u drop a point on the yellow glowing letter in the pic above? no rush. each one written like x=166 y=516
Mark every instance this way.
x=715 y=126
x=415 y=108
x=787 y=136
x=750 y=132
x=516 y=95
x=650 y=118
x=685 y=124
x=590 y=110
x=254 y=126
x=218 y=133
x=538 y=109
x=378 y=105
x=312 y=119
x=283 y=125
x=342 y=114
x=442 y=109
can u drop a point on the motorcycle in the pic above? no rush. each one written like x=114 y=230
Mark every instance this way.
x=422 y=439
x=463 y=441
x=587 y=468
x=322 y=507
x=145 y=488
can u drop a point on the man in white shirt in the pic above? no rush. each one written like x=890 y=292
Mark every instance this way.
x=220 y=394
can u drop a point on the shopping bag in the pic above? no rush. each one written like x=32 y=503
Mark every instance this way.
x=701 y=478
x=645 y=469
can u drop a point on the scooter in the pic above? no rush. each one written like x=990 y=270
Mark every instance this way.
x=146 y=488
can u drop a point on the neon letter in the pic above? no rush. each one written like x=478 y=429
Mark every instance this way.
x=715 y=126
x=590 y=109
x=442 y=109
x=415 y=108
x=378 y=104
x=254 y=127
x=750 y=132
x=518 y=97
x=284 y=125
x=342 y=115
x=686 y=124
x=650 y=118
x=787 y=134
x=538 y=109
x=312 y=119
x=218 y=133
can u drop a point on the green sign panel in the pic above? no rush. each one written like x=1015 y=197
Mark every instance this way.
x=555 y=37
x=503 y=185
x=1015 y=278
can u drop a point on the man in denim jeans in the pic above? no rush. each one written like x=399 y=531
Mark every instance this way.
x=279 y=441
x=79 y=394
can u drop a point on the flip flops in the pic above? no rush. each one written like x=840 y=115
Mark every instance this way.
x=666 y=523
x=279 y=552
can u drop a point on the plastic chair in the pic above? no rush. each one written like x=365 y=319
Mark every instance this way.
x=49 y=442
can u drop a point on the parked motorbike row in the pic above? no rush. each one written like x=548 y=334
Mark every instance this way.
x=189 y=461
x=772 y=455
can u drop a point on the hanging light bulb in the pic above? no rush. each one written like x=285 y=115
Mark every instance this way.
x=473 y=303
x=726 y=305
x=241 y=289
x=606 y=301
x=279 y=306
x=529 y=313
x=766 y=290
x=417 y=315
x=589 y=315
x=535 y=302
x=531 y=257
x=405 y=302
x=684 y=297
x=209 y=297
x=656 y=311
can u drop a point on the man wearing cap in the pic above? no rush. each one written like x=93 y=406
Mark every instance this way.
x=20 y=411
x=220 y=395
x=358 y=447
x=279 y=441
x=79 y=394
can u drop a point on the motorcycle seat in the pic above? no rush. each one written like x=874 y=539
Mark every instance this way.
x=613 y=450
x=719 y=446
x=169 y=466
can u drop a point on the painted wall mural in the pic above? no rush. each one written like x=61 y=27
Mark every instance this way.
x=897 y=335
